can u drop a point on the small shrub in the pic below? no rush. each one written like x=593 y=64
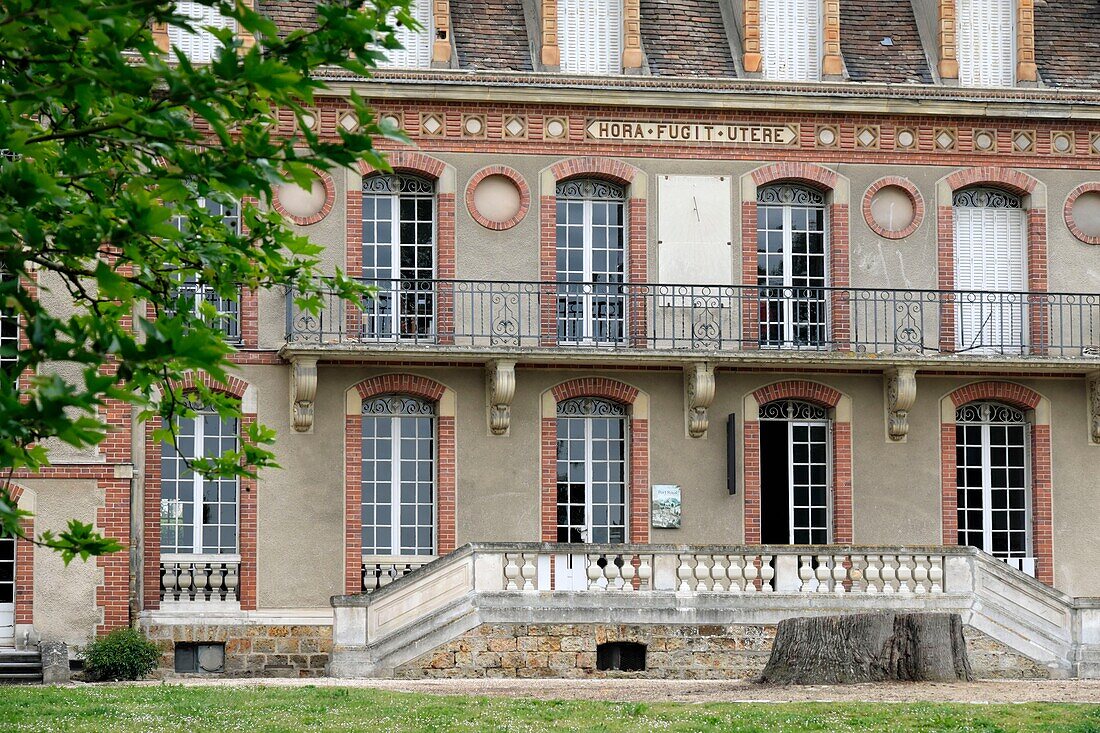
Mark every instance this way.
x=124 y=654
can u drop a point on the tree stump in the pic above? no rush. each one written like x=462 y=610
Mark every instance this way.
x=870 y=647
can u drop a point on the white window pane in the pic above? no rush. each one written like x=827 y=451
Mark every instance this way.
x=201 y=46
x=416 y=51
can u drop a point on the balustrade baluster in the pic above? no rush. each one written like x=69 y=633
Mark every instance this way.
x=645 y=572
x=529 y=571
x=185 y=575
x=823 y=573
x=232 y=582
x=905 y=573
x=201 y=580
x=935 y=574
x=840 y=573
x=805 y=573
x=627 y=572
x=736 y=573
x=684 y=572
x=611 y=573
x=888 y=575
x=767 y=574
x=511 y=571
x=594 y=572
x=702 y=574
x=719 y=574
x=920 y=575
x=751 y=573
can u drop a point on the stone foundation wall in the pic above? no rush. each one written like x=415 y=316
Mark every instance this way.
x=569 y=650
x=672 y=652
x=251 y=650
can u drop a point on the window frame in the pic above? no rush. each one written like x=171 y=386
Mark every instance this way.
x=411 y=407
x=588 y=410
x=805 y=415
x=170 y=454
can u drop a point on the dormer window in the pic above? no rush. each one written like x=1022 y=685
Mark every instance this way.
x=416 y=44
x=201 y=46
x=790 y=39
x=986 y=42
x=590 y=36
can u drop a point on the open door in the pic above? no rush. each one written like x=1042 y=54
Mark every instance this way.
x=7 y=590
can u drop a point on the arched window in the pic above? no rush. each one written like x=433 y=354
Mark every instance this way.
x=790 y=39
x=196 y=293
x=198 y=515
x=993 y=464
x=398 y=476
x=201 y=46
x=591 y=467
x=590 y=36
x=794 y=473
x=792 y=266
x=399 y=233
x=591 y=262
x=986 y=42
x=990 y=271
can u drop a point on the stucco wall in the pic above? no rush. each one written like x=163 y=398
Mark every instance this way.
x=64 y=596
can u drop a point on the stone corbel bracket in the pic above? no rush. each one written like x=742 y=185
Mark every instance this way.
x=500 y=390
x=699 y=392
x=1094 y=407
x=901 y=393
x=303 y=392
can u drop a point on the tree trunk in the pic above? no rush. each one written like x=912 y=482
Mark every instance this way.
x=871 y=647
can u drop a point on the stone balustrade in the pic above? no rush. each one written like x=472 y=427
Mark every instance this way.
x=777 y=570
x=378 y=571
x=199 y=578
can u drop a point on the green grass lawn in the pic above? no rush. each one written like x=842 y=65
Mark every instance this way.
x=194 y=709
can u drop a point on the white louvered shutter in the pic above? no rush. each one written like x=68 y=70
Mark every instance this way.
x=986 y=42
x=694 y=230
x=416 y=51
x=990 y=251
x=201 y=46
x=790 y=39
x=590 y=36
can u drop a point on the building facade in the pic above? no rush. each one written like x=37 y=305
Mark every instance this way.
x=722 y=274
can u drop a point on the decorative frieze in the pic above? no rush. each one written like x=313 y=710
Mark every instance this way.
x=699 y=391
x=901 y=394
x=500 y=391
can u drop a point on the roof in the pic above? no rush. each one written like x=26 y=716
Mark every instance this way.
x=1067 y=42
x=491 y=34
x=686 y=38
x=863 y=26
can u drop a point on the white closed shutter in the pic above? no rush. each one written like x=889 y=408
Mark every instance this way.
x=991 y=277
x=416 y=51
x=198 y=47
x=694 y=230
x=590 y=36
x=986 y=42
x=790 y=39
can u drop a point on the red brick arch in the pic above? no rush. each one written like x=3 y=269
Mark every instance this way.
x=1067 y=212
x=638 y=487
x=413 y=385
x=822 y=179
x=637 y=243
x=409 y=161
x=247 y=499
x=1020 y=184
x=820 y=394
x=24 y=565
x=1042 y=500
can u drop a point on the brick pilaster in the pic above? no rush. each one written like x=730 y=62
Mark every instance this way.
x=948 y=38
x=752 y=58
x=441 y=44
x=832 y=64
x=632 y=35
x=1025 y=41
x=550 y=54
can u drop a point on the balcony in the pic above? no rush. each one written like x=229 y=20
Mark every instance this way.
x=545 y=320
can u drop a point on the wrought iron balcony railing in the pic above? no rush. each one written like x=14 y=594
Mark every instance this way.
x=631 y=316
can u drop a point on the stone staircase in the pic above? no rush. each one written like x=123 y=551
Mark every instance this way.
x=375 y=633
x=20 y=666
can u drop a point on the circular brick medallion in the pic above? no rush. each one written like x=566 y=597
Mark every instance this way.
x=1082 y=213
x=497 y=197
x=893 y=207
x=302 y=206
